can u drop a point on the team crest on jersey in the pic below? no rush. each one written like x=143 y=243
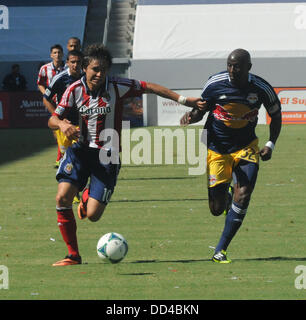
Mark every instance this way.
x=212 y=179
x=68 y=168
x=252 y=98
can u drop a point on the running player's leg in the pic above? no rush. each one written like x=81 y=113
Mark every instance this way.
x=96 y=197
x=218 y=198
x=219 y=173
x=71 y=178
x=66 y=222
x=245 y=175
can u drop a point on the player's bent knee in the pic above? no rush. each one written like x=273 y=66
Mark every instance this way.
x=62 y=200
x=217 y=198
x=215 y=212
x=94 y=217
x=243 y=196
x=95 y=210
x=216 y=209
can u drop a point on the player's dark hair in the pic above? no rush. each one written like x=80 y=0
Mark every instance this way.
x=56 y=46
x=75 y=38
x=96 y=51
x=75 y=53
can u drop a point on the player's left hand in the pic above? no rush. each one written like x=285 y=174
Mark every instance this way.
x=185 y=119
x=265 y=153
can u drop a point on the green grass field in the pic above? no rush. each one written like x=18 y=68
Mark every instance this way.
x=163 y=213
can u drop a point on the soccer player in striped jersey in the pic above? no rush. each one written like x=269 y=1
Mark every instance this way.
x=49 y=70
x=233 y=98
x=99 y=99
x=45 y=76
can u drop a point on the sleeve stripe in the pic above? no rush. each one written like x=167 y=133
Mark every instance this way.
x=213 y=79
x=269 y=91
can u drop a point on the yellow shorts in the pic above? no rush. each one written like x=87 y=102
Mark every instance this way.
x=62 y=141
x=220 y=166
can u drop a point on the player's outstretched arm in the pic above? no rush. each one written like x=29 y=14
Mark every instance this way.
x=192 y=102
x=275 y=128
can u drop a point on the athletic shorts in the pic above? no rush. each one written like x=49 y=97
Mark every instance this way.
x=81 y=163
x=62 y=141
x=220 y=167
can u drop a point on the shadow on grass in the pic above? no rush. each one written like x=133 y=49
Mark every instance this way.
x=274 y=259
x=170 y=261
x=139 y=274
x=20 y=143
x=209 y=260
x=158 y=178
x=158 y=200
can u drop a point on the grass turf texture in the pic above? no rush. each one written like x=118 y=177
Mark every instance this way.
x=163 y=213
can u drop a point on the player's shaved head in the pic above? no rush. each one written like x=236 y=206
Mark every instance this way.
x=241 y=55
x=238 y=66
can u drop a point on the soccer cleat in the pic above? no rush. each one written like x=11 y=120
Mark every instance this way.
x=82 y=208
x=230 y=199
x=76 y=199
x=68 y=261
x=221 y=257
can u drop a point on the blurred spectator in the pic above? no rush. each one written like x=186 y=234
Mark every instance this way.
x=14 y=81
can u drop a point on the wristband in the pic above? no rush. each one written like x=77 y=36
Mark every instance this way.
x=181 y=99
x=270 y=145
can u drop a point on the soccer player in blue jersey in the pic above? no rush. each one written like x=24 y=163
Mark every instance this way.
x=57 y=87
x=233 y=98
x=74 y=43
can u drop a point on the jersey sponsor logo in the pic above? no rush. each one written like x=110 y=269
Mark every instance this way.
x=250 y=116
x=235 y=115
x=86 y=111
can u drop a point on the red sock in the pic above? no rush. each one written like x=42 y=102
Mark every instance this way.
x=67 y=225
x=59 y=155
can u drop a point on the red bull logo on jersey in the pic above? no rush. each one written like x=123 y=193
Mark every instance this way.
x=235 y=115
x=250 y=116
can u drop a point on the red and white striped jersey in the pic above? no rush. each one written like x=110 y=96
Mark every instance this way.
x=101 y=111
x=47 y=72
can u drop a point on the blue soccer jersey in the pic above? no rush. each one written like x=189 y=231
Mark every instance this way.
x=58 y=86
x=233 y=112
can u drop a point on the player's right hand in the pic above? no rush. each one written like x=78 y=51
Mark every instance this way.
x=265 y=153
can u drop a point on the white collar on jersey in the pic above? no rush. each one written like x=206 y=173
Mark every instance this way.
x=103 y=93
x=60 y=68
